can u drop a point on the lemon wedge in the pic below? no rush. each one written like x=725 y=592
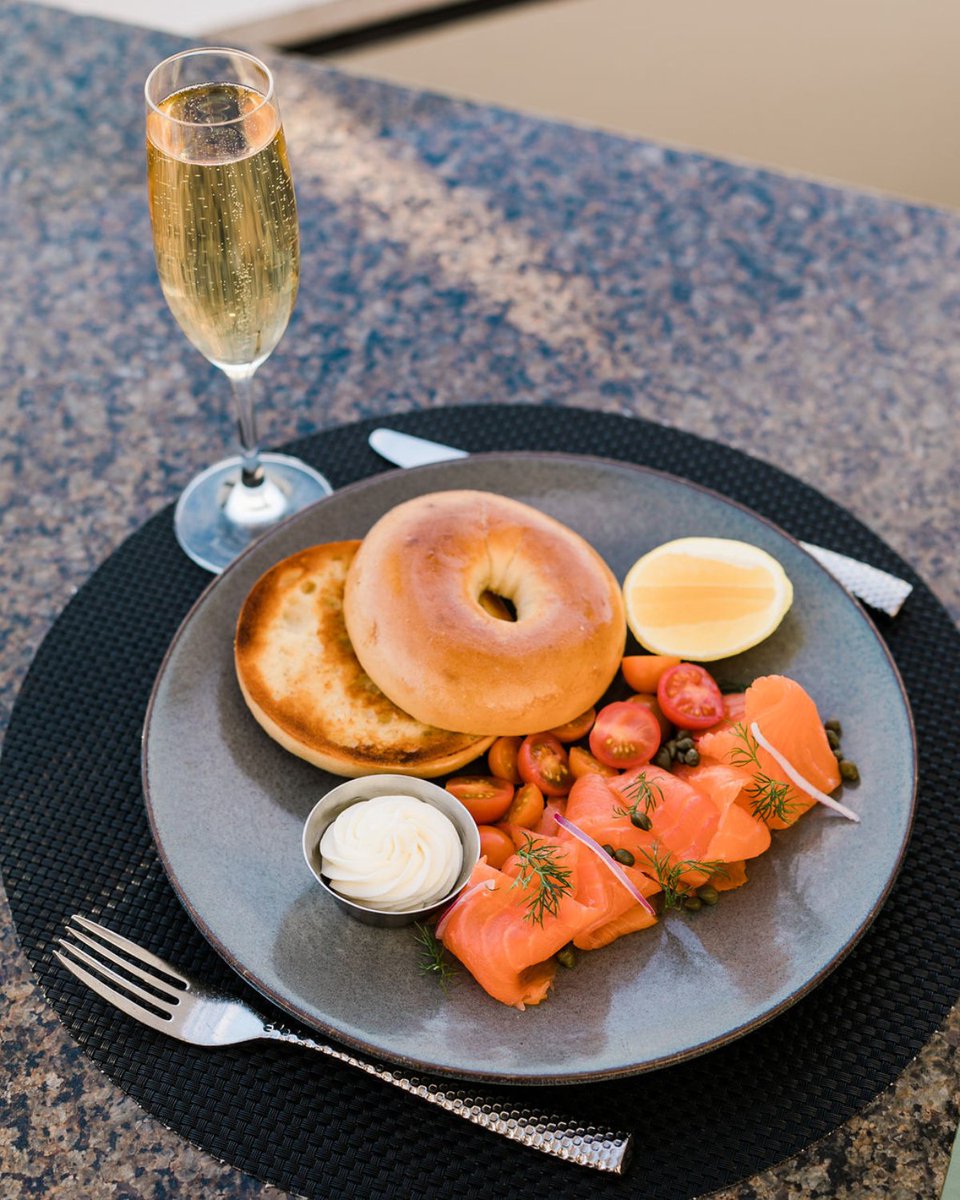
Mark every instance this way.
x=705 y=598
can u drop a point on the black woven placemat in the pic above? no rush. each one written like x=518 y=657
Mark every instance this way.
x=74 y=838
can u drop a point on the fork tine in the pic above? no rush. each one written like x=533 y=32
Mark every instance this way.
x=170 y=990
x=124 y=1003
x=128 y=985
x=131 y=948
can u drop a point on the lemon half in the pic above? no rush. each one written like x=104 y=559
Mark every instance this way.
x=705 y=598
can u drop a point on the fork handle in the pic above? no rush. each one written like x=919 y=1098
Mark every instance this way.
x=558 y=1136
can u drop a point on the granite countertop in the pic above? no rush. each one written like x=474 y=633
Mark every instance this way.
x=451 y=253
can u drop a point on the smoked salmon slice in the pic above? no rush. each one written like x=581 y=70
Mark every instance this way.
x=739 y=834
x=682 y=820
x=733 y=875
x=788 y=719
x=631 y=921
x=596 y=887
x=510 y=957
x=616 y=911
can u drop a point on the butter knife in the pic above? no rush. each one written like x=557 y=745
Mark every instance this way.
x=879 y=589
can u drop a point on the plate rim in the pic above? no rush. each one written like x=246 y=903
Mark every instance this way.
x=543 y=1078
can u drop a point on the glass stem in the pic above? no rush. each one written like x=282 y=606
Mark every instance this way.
x=241 y=381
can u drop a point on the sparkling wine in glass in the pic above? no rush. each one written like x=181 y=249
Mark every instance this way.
x=227 y=244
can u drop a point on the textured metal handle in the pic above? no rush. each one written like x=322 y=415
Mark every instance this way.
x=559 y=1136
x=879 y=589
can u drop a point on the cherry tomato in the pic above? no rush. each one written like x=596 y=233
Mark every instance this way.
x=526 y=808
x=542 y=760
x=579 y=727
x=496 y=845
x=642 y=671
x=484 y=797
x=583 y=763
x=625 y=735
x=690 y=697
x=651 y=702
x=502 y=758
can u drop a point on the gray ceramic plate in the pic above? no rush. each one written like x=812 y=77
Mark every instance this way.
x=227 y=805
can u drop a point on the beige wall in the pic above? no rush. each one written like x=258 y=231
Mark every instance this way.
x=862 y=91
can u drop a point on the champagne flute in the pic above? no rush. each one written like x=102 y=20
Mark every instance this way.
x=227 y=245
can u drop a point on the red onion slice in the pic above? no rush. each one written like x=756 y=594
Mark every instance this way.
x=614 y=867
x=486 y=885
x=798 y=780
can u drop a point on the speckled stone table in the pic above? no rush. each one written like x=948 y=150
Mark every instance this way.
x=452 y=254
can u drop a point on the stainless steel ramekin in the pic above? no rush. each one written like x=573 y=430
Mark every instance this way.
x=325 y=811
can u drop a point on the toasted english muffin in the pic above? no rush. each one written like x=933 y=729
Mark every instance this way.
x=305 y=686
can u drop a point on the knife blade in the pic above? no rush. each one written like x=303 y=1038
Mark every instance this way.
x=404 y=450
x=879 y=589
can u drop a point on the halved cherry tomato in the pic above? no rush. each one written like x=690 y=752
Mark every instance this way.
x=625 y=735
x=583 y=763
x=542 y=760
x=651 y=702
x=502 y=758
x=484 y=797
x=579 y=727
x=642 y=671
x=496 y=844
x=689 y=697
x=526 y=809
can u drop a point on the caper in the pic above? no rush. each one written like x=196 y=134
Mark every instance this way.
x=624 y=857
x=692 y=757
x=607 y=849
x=684 y=733
x=672 y=748
x=834 y=725
x=684 y=743
x=567 y=957
x=848 y=771
x=838 y=754
x=692 y=903
x=708 y=894
x=662 y=759
x=833 y=738
x=640 y=820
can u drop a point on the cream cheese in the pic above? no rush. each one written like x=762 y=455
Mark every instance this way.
x=392 y=853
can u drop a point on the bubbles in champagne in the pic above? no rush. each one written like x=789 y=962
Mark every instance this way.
x=224 y=219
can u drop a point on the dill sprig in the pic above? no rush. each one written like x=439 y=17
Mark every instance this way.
x=538 y=864
x=769 y=795
x=668 y=873
x=769 y=798
x=746 y=754
x=433 y=957
x=643 y=796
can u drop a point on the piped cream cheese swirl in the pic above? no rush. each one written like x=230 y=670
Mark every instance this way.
x=391 y=853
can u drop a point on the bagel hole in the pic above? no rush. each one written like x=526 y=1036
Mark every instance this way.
x=497 y=606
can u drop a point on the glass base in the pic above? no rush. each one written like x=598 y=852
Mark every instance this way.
x=217 y=518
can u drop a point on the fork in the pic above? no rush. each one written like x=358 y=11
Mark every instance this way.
x=185 y=1009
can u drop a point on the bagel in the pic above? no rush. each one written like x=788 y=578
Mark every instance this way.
x=303 y=683
x=426 y=598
